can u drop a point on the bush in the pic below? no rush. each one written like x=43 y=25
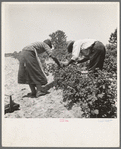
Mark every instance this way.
x=95 y=93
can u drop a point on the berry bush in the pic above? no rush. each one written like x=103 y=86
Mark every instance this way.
x=95 y=93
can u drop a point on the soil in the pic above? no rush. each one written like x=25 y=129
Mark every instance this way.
x=48 y=106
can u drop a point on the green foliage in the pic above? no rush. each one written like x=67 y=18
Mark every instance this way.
x=58 y=39
x=96 y=93
x=110 y=64
x=113 y=38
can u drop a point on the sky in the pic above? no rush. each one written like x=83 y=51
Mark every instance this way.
x=27 y=22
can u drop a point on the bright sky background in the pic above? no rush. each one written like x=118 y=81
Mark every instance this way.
x=25 y=23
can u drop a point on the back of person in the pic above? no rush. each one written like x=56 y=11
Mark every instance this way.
x=84 y=43
x=87 y=49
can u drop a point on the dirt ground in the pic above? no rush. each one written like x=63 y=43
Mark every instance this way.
x=47 y=106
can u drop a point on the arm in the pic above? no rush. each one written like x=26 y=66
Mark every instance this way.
x=83 y=60
x=67 y=63
x=47 y=49
x=70 y=62
x=75 y=55
x=49 y=52
x=39 y=62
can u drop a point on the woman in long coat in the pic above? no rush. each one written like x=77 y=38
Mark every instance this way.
x=30 y=70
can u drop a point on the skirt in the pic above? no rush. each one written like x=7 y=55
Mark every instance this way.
x=97 y=56
x=29 y=69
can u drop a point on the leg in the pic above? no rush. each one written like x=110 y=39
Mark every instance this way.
x=97 y=57
x=40 y=90
x=33 y=90
x=39 y=87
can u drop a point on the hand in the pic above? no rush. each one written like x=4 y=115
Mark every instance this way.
x=64 y=63
x=50 y=56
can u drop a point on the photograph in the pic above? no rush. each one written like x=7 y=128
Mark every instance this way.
x=60 y=62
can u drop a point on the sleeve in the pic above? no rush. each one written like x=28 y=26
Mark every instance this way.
x=75 y=52
x=47 y=49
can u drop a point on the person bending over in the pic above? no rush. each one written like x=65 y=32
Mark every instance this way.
x=30 y=68
x=84 y=50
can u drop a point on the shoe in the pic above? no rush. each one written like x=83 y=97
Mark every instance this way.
x=32 y=95
x=40 y=93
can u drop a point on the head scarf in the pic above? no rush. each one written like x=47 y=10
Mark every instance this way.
x=48 y=42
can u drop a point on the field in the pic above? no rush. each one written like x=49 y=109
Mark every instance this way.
x=73 y=95
x=48 y=106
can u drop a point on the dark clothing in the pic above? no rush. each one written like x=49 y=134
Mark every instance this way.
x=89 y=49
x=39 y=46
x=97 y=56
x=29 y=69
